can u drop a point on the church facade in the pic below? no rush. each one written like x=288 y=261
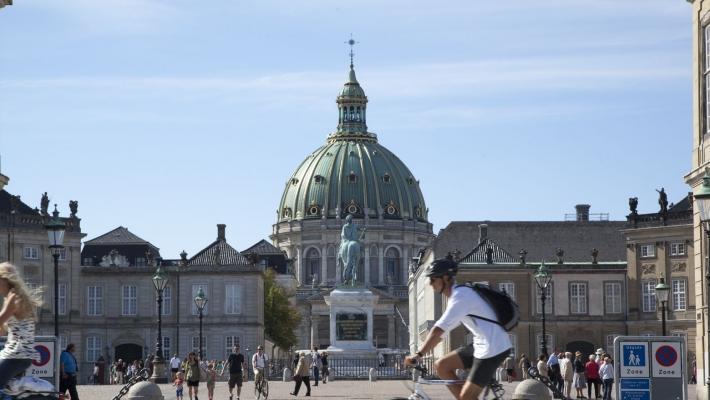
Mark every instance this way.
x=352 y=174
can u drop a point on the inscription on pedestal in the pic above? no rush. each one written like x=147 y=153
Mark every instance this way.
x=351 y=326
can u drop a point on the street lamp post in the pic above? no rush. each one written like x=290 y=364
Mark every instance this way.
x=160 y=280
x=662 y=295
x=182 y=265
x=543 y=279
x=55 y=232
x=702 y=202
x=200 y=302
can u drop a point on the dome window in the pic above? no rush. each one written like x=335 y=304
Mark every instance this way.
x=286 y=213
x=391 y=209
x=352 y=178
x=418 y=212
x=319 y=179
x=410 y=180
x=294 y=181
x=386 y=178
x=314 y=209
x=353 y=208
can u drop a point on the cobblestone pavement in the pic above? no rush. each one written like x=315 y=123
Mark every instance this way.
x=355 y=390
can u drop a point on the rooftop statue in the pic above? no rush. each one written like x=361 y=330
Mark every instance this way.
x=663 y=201
x=349 y=251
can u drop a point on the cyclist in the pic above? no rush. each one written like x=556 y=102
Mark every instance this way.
x=491 y=344
x=259 y=362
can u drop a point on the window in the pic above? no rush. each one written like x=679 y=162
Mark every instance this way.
x=88 y=261
x=232 y=299
x=549 y=339
x=95 y=300
x=612 y=297
x=578 y=297
x=93 y=348
x=195 y=289
x=129 y=300
x=610 y=342
x=648 y=292
x=706 y=76
x=140 y=262
x=679 y=294
x=31 y=253
x=166 y=348
x=678 y=249
x=229 y=342
x=648 y=250
x=196 y=344
x=508 y=287
x=393 y=271
x=63 y=343
x=548 y=300
x=63 y=254
x=313 y=261
x=167 y=300
x=62 y=299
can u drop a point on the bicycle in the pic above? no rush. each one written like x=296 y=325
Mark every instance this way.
x=419 y=394
x=261 y=387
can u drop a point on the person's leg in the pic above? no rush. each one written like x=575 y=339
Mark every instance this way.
x=10 y=368
x=446 y=367
x=72 y=388
x=315 y=376
x=307 y=382
x=297 y=387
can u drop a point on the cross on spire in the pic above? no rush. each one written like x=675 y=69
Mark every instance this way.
x=352 y=43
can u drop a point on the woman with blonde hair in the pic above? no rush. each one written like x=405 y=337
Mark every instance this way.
x=17 y=317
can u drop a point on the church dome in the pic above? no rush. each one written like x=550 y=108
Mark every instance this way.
x=352 y=173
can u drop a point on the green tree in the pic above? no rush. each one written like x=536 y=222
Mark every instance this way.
x=280 y=319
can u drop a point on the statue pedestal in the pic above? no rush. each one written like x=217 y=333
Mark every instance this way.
x=351 y=322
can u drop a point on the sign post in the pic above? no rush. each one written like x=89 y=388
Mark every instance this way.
x=650 y=368
x=47 y=366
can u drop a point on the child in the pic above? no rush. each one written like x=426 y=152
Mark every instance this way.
x=211 y=378
x=178 y=383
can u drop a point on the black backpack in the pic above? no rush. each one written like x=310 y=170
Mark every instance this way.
x=506 y=309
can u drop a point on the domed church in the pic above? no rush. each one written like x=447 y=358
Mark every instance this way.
x=352 y=174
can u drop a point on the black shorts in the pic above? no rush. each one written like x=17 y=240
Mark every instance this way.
x=175 y=370
x=235 y=378
x=482 y=369
x=193 y=383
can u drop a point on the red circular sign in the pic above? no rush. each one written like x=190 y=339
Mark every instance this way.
x=44 y=355
x=666 y=356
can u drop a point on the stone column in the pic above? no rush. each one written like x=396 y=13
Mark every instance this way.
x=324 y=263
x=299 y=264
x=390 y=331
x=381 y=257
x=367 y=265
x=314 y=331
x=404 y=265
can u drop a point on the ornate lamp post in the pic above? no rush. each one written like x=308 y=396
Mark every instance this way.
x=181 y=266
x=200 y=302
x=55 y=232
x=543 y=279
x=160 y=280
x=702 y=202
x=662 y=295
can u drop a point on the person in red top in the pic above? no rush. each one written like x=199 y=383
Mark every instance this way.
x=592 y=372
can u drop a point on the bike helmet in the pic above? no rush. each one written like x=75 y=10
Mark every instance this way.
x=441 y=267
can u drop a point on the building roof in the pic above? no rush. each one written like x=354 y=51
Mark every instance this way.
x=480 y=254
x=218 y=253
x=118 y=236
x=263 y=247
x=6 y=200
x=540 y=239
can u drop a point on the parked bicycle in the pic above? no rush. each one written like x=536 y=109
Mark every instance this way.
x=418 y=392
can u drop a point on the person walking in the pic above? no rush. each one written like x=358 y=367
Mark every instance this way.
x=509 y=365
x=606 y=373
x=178 y=382
x=211 y=379
x=68 y=370
x=553 y=364
x=524 y=365
x=174 y=366
x=324 y=370
x=192 y=375
x=578 y=380
x=592 y=372
x=316 y=365
x=542 y=366
x=236 y=365
x=567 y=372
x=302 y=375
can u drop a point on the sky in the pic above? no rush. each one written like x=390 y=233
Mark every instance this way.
x=170 y=116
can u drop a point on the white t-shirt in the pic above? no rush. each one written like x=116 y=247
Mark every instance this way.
x=489 y=338
x=259 y=361
x=175 y=362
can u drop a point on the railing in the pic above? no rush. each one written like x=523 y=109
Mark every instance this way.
x=392 y=367
x=590 y=217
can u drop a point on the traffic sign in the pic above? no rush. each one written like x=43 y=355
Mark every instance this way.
x=666 y=360
x=634 y=360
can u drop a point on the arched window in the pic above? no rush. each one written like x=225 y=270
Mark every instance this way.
x=312 y=269
x=357 y=114
x=374 y=265
x=393 y=266
x=332 y=260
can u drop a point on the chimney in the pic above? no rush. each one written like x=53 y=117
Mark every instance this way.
x=220 y=231
x=582 y=212
x=482 y=232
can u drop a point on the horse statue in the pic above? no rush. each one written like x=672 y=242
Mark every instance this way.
x=349 y=251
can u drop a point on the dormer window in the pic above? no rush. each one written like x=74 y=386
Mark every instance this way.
x=352 y=178
x=319 y=179
x=410 y=180
x=314 y=209
x=286 y=213
x=391 y=209
x=418 y=211
x=386 y=178
x=353 y=208
x=294 y=181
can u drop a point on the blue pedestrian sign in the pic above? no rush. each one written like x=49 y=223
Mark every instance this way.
x=634 y=360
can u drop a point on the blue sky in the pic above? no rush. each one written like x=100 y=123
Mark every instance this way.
x=169 y=117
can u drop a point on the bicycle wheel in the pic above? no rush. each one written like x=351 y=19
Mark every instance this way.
x=257 y=390
x=265 y=389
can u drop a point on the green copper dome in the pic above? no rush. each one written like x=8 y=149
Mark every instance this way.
x=352 y=173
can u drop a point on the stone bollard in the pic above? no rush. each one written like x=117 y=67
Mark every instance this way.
x=144 y=391
x=530 y=389
x=373 y=375
x=331 y=377
x=287 y=375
